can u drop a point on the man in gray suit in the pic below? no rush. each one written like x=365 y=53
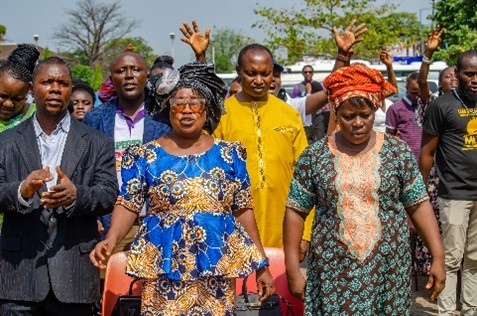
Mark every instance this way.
x=56 y=176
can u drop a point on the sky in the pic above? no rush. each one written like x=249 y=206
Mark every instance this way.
x=157 y=19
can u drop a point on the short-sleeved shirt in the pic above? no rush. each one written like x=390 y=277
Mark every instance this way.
x=401 y=116
x=456 y=155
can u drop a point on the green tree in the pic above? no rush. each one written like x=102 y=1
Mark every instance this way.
x=96 y=78
x=92 y=77
x=305 y=29
x=116 y=46
x=82 y=72
x=226 y=44
x=460 y=22
x=91 y=24
x=47 y=53
x=3 y=31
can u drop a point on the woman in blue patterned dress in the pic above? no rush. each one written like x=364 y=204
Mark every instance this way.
x=200 y=232
x=362 y=183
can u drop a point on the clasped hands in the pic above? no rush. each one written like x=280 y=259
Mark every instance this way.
x=61 y=194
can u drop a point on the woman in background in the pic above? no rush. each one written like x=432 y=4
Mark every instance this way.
x=15 y=84
x=82 y=100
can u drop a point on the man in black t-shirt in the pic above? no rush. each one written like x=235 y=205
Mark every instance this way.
x=450 y=132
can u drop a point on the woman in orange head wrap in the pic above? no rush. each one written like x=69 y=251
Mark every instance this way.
x=361 y=183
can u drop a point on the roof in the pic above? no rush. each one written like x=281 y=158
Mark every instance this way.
x=7 y=49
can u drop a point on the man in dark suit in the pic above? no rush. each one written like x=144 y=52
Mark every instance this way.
x=56 y=176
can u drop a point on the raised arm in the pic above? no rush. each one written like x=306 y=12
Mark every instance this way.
x=433 y=42
x=387 y=60
x=346 y=41
x=198 y=42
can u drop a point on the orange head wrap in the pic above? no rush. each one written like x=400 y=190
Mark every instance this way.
x=357 y=80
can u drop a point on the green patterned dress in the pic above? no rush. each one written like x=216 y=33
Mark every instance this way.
x=14 y=121
x=360 y=260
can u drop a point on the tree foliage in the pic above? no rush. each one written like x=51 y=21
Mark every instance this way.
x=226 y=44
x=460 y=21
x=3 y=31
x=91 y=25
x=305 y=29
x=47 y=53
x=92 y=77
x=116 y=46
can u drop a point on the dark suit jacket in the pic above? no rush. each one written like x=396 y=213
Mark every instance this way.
x=41 y=248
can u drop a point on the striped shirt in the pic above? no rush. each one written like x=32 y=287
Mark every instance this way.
x=401 y=116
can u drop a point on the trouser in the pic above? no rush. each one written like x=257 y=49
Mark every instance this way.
x=459 y=236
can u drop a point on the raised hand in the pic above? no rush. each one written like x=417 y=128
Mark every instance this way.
x=35 y=181
x=386 y=58
x=350 y=36
x=62 y=194
x=434 y=38
x=195 y=39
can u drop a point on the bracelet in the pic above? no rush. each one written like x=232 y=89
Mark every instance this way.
x=267 y=262
x=343 y=58
x=426 y=60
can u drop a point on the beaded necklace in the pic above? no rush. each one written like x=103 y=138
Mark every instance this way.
x=458 y=98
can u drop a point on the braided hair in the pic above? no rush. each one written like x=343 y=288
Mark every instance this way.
x=21 y=62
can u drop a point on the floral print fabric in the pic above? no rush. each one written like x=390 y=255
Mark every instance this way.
x=190 y=237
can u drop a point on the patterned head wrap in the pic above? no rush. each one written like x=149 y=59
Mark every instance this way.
x=198 y=76
x=357 y=80
x=107 y=91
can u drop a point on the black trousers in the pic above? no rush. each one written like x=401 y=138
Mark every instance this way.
x=50 y=306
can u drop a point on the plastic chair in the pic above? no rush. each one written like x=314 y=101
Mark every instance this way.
x=117 y=282
x=276 y=258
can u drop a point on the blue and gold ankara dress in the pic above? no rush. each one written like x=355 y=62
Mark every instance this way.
x=359 y=260
x=189 y=248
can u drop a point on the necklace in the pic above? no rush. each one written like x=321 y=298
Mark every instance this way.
x=458 y=98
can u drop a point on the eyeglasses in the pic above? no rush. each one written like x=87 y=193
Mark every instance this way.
x=308 y=72
x=195 y=105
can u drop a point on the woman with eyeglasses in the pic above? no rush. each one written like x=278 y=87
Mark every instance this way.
x=15 y=83
x=200 y=231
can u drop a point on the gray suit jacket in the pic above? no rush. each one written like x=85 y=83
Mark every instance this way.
x=40 y=248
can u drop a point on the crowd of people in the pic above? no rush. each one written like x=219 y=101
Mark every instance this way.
x=196 y=179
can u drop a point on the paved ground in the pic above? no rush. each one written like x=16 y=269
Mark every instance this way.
x=421 y=306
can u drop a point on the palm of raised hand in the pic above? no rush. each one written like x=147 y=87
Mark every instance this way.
x=433 y=42
x=345 y=41
x=198 y=43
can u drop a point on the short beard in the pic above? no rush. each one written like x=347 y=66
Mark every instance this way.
x=467 y=93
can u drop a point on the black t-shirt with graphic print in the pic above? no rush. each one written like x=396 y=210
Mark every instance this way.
x=456 y=154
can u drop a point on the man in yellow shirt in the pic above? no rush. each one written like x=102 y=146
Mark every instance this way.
x=273 y=135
